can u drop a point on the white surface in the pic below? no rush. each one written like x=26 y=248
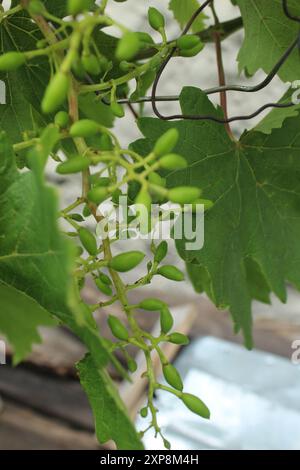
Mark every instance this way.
x=253 y=398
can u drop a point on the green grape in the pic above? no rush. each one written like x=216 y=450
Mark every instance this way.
x=84 y=128
x=184 y=194
x=156 y=19
x=91 y=64
x=78 y=69
x=102 y=181
x=117 y=109
x=86 y=211
x=205 y=202
x=144 y=199
x=73 y=165
x=88 y=241
x=166 y=320
x=61 y=119
x=117 y=328
x=105 y=279
x=56 y=93
x=161 y=252
x=152 y=304
x=104 y=288
x=171 y=272
x=77 y=217
x=166 y=142
x=178 y=338
x=98 y=194
x=128 y=46
x=11 y=61
x=155 y=178
x=167 y=444
x=105 y=143
x=192 y=52
x=188 y=41
x=172 y=161
x=132 y=365
x=144 y=412
x=195 y=405
x=172 y=376
x=126 y=261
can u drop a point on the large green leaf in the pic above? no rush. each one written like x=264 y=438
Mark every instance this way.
x=24 y=87
x=268 y=33
x=19 y=309
x=253 y=230
x=183 y=11
x=111 y=418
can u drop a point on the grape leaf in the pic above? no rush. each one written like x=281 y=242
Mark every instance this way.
x=19 y=309
x=275 y=118
x=183 y=11
x=111 y=418
x=25 y=86
x=268 y=33
x=255 y=186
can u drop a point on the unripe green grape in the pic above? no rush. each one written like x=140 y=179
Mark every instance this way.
x=161 y=252
x=172 y=161
x=196 y=405
x=172 y=376
x=98 y=194
x=84 y=128
x=125 y=66
x=79 y=6
x=78 y=69
x=156 y=19
x=104 y=288
x=152 y=304
x=143 y=198
x=86 y=211
x=117 y=328
x=11 y=61
x=192 y=52
x=128 y=46
x=56 y=92
x=91 y=64
x=166 y=142
x=102 y=181
x=117 y=109
x=73 y=165
x=184 y=194
x=105 y=142
x=166 y=320
x=167 y=444
x=88 y=241
x=105 y=279
x=144 y=412
x=188 y=41
x=132 y=365
x=126 y=261
x=205 y=202
x=36 y=7
x=178 y=338
x=155 y=178
x=171 y=272
x=77 y=217
x=62 y=119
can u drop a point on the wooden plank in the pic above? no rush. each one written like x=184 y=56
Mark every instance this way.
x=57 y=397
x=24 y=429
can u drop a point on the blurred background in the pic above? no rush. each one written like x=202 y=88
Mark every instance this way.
x=253 y=396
